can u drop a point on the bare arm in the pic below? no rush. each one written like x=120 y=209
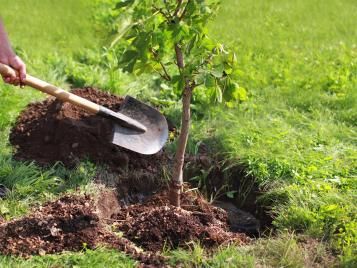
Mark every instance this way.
x=8 y=57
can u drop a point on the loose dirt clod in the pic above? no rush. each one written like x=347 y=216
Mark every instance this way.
x=61 y=225
x=51 y=131
x=74 y=222
x=155 y=224
x=69 y=223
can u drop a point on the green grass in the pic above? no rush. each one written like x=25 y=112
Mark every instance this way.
x=88 y=258
x=301 y=81
x=230 y=256
x=283 y=250
x=296 y=134
x=47 y=35
x=43 y=27
x=298 y=129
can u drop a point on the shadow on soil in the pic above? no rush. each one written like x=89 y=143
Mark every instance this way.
x=219 y=204
x=230 y=187
x=227 y=188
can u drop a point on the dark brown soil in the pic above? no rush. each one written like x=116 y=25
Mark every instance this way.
x=246 y=214
x=64 y=224
x=51 y=131
x=155 y=224
x=74 y=222
x=70 y=223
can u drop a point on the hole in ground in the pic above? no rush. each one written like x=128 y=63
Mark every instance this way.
x=35 y=140
x=231 y=188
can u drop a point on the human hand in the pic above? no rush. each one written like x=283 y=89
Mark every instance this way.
x=8 y=57
x=17 y=64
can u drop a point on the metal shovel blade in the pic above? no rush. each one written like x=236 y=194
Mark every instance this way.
x=148 y=142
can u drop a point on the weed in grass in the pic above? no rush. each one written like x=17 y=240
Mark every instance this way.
x=187 y=258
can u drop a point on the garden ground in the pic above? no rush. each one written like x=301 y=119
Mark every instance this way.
x=295 y=135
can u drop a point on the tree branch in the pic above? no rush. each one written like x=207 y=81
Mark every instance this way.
x=178 y=7
x=184 y=11
x=168 y=9
x=162 y=13
x=179 y=57
x=168 y=77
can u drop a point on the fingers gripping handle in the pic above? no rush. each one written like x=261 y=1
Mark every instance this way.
x=52 y=90
x=7 y=71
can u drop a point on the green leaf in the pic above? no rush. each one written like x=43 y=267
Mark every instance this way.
x=164 y=86
x=191 y=44
x=130 y=67
x=175 y=79
x=233 y=92
x=124 y=3
x=199 y=78
x=228 y=71
x=217 y=73
x=231 y=104
x=210 y=82
x=180 y=86
x=128 y=56
x=240 y=94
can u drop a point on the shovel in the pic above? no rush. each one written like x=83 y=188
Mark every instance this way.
x=137 y=126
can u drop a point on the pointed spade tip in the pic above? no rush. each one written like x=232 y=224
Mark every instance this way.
x=147 y=143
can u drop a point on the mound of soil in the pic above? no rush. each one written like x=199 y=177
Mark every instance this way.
x=74 y=222
x=68 y=224
x=155 y=224
x=63 y=224
x=51 y=131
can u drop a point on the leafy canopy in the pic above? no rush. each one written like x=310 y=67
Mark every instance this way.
x=149 y=30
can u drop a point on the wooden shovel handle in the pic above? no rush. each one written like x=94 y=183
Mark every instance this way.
x=57 y=92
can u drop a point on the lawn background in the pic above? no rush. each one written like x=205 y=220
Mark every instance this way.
x=296 y=134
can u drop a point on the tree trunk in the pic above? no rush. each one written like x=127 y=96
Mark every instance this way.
x=177 y=176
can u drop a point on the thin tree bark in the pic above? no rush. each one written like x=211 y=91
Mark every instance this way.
x=177 y=175
x=179 y=57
